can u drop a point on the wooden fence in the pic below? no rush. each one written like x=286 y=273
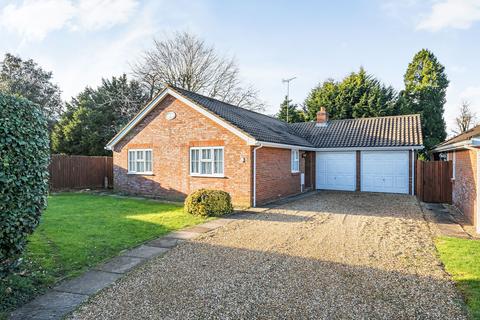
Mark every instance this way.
x=80 y=172
x=433 y=181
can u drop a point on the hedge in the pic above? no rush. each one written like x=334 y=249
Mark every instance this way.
x=208 y=203
x=24 y=158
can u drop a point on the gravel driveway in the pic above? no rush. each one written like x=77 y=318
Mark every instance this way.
x=330 y=255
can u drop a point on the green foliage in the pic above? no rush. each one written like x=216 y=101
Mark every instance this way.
x=358 y=95
x=290 y=112
x=80 y=230
x=96 y=115
x=27 y=79
x=425 y=89
x=208 y=203
x=24 y=158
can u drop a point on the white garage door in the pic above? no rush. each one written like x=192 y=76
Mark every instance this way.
x=385 y=171
x=336 y=170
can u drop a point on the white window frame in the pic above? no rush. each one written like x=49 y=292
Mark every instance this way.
x=293 y=160
x=144 y=160
x=211 y=160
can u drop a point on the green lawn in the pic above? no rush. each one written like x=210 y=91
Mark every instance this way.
x=462 y=260
x=77 y=231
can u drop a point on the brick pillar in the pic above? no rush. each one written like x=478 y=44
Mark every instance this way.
x=359 y=170
x=410 y=168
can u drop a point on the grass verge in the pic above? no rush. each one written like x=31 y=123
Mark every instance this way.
x=461 y=258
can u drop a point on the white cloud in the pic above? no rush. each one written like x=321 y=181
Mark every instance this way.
x=98 y=14
x=34 y=19
x=457 y=14
x=110 y=54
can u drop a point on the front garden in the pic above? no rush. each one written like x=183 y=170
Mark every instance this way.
x=78 y=231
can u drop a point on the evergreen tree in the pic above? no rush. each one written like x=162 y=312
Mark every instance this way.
x=96 y=115
x=290 y=112
x=27 y=79
x=358 y=95
x=425 y=90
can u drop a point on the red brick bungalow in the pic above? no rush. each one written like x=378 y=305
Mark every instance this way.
x=464 y=152
x=182 y=141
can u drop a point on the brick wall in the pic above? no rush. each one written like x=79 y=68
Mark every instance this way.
x=274 y=177
x=464 y=194
x=171 y=141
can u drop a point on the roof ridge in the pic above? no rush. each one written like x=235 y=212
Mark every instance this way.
x=382 y=117
x=357 y=119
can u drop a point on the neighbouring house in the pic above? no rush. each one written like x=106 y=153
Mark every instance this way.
x=182 y=141
x=464 y=152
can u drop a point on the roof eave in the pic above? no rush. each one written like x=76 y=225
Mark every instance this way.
x=385 y=148
x=305 y=148
x=458 y=145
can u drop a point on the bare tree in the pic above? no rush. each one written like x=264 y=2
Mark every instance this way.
x=466 y=119
x=187 y=62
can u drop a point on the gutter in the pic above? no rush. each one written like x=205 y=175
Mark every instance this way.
x=298 y=147
x=474 y=142
x=255 y=174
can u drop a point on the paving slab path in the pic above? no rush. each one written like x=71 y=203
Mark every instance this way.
x=68 y=295
x=327 y=256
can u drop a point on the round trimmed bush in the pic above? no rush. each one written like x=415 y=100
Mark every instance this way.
x=24 y=158
x=208 y=203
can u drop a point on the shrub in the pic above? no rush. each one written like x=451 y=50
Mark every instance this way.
x=208 y=203
x=24 y=157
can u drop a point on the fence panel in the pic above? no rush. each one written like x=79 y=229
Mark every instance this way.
x=80 y=172
x=434 y=181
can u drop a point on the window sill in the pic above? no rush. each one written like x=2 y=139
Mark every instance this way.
x=141 y=173
x=295 y=173
x=203 y=176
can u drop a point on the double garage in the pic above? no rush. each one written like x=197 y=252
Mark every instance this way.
x=372 y=171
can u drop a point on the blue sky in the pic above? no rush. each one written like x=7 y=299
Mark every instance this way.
x=82 y=41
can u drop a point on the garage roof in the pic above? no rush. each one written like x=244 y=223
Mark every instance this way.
x=394 y=131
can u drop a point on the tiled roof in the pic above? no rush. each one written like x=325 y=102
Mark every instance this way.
x=392 y=131
x=257 y=125
x=395 y=131
x=467 y=135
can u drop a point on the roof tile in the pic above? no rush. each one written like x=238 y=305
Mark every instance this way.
x=392 y=131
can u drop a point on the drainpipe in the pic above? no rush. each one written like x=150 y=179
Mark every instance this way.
x=255 y=175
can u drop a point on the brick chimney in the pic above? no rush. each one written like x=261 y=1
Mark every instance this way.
x=322 y=117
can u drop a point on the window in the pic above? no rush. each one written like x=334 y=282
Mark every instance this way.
x=140 y=161
x=295 y=161
x=206 y=161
